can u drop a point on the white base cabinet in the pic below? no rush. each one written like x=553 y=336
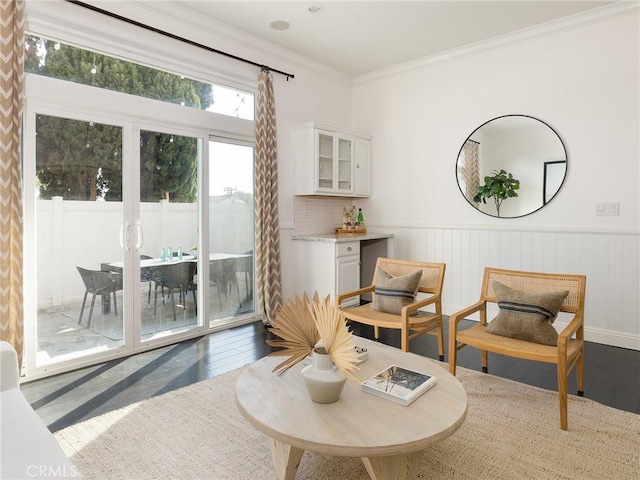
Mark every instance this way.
x=329 y=268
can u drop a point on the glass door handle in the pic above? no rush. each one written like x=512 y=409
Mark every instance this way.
x=125 y=236
x=121 y=236
x=139 y=236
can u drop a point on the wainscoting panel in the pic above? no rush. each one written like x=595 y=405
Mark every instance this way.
x=610 y=260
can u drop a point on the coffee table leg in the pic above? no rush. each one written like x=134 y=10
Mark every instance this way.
x=285 y=459
x=400 y=467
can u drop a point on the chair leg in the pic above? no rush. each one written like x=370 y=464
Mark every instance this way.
x=173 y=304
x=441 y=342
x=93 y=301
x=485 y=361
x=115 y=305
x=580 y=373
x=376 y=333
x=82 y=308
x=404 y=341
x=453 y=351
x=562 y=394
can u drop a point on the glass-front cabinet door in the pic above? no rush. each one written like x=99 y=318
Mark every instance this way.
x=326 y=161
x=334 y=163
x=345 y=165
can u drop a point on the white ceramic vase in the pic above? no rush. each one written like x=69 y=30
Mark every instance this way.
x=323 y=379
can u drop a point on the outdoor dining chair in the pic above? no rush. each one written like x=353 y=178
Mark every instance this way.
x=98 y=282
x=175 y=276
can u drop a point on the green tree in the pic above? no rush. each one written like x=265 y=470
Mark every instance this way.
x=161 y=175
x=83 y=160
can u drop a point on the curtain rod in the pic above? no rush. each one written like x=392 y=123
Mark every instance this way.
x=176 y=37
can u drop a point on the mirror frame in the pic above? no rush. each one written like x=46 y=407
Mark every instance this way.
x=545 y=173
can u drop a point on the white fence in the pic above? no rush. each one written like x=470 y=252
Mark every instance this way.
x=86 y=234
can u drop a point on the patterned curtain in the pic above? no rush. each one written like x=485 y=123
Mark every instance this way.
x=470 y=170
x=266 y=202
x=11 y=91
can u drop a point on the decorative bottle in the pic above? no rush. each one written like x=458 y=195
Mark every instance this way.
x=360 y=218
x=180 y=252
x=169 y=254
x=163 y=255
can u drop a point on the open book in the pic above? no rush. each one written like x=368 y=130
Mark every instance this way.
x=399 y=384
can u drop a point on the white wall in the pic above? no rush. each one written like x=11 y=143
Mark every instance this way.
x=582 y=81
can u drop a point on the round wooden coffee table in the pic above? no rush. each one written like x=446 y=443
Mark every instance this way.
x=390 y=438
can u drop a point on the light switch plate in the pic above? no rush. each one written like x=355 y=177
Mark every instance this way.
x=608 y=209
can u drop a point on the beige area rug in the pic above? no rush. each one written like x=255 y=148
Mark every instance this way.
x=511 y=432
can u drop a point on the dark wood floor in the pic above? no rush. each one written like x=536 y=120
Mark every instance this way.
x=612 y=375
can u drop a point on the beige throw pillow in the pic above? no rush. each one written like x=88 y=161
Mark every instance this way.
x=527 y=316
x=393 y=293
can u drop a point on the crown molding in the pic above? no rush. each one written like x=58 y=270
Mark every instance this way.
x=608 y=12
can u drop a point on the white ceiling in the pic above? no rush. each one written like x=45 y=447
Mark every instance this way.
x=357 y=37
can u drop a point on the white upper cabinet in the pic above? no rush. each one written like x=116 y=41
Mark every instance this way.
x=363 y=167
x=332 y=162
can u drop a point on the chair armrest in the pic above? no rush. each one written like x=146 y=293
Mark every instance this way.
x=572 y=328
x=462 y=314
x=407 y=310
x=354 y=293
x=9 y=374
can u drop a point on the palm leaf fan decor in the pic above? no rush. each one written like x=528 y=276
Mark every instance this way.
x=304 y=325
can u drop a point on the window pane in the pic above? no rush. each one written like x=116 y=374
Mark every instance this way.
x=78 y=160
x=168 y=168
x=231 y=102
x=66 y=62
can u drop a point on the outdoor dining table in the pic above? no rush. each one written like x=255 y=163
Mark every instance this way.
x=152 y=267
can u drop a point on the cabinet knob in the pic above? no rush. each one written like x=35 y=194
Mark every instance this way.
x=349 y=249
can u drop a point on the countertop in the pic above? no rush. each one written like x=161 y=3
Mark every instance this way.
x=332 y=237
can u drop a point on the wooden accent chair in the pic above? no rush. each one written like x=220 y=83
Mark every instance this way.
x=568 y=352
x=410 y=321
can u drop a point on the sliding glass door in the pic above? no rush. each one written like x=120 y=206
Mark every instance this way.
x=78 y=217
x=231 y=230
x=115 y=258
x=167 y=233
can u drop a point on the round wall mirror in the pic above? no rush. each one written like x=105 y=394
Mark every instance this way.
x=511 y=166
